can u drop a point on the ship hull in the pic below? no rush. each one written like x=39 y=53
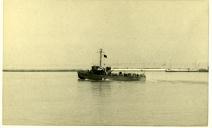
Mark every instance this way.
x=90 y=76
x=87 y=75
x=126 y=78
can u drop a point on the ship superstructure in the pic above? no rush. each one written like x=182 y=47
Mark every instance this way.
x=105 y=73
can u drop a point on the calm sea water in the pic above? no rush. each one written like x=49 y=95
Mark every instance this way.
x=59 y=98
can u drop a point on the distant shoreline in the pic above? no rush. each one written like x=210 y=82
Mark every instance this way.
x=40 y=70
x=115 y=69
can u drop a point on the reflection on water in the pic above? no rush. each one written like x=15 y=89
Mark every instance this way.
x=98 y=88
x=62 y=99
x=101 y=89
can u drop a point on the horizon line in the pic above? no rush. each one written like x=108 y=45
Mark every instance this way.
x=75 y=70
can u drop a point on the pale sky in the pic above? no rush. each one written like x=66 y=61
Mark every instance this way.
x=133 y=33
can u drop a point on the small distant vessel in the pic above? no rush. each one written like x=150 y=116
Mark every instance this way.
x=203 y=70
x=105 y=73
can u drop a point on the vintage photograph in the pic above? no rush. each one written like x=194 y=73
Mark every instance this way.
x=105 y=62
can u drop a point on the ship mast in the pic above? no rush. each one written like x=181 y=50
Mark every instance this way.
x=100 y=61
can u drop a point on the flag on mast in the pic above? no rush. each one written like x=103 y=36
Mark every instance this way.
x=105 y=56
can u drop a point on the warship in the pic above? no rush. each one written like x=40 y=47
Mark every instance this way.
x=102 y=73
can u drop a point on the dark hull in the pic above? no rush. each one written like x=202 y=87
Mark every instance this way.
x=126 y=78
x=91 y=76
x=87 y=75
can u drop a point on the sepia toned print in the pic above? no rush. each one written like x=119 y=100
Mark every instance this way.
x=105 y=62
